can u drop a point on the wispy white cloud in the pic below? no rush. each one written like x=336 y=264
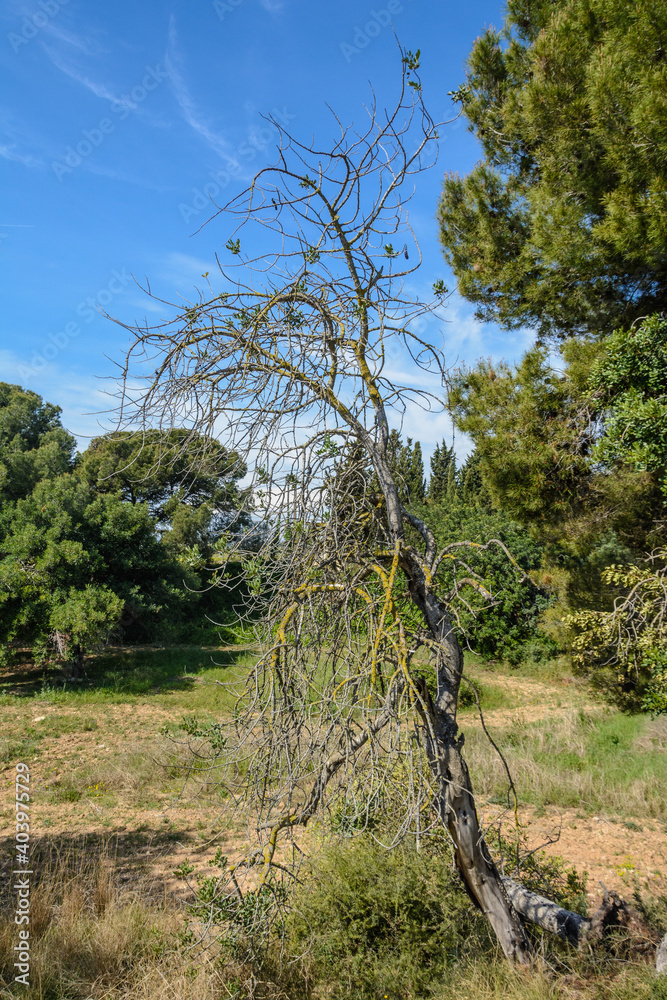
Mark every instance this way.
x=463 y=339
x=147 y=305
x=467 y=339
x=18 y=142
x=187 y=106
x=183 y=269
x=126 y=177
x=15 y=155
x=96 y=88
x=57 y=31
x=273 y=6
x=87 y=402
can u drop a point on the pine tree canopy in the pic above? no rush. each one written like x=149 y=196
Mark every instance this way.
x=33 y=443
x=407 y=464
x=156 y=467
x=563 y=225
x=581 y=450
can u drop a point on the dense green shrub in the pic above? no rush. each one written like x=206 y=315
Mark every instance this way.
x=507 y=627
x=390 y=922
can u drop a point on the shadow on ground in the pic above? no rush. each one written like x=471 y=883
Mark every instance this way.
x=121 y=671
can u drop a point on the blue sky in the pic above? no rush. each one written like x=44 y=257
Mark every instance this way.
x=115 y=117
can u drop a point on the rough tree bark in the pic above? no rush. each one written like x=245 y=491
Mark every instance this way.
x=661 y=957
x=455 y=801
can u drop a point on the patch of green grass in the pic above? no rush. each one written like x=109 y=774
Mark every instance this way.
x=58 y=725
x=23 y=747
x=491 y=696
x=551 y=671
x=138 y=776
x=67 y=792
x=497 y=980
x=582 y=760
x=163 y=676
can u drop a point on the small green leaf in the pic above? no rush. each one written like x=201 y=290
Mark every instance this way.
x=460 y=95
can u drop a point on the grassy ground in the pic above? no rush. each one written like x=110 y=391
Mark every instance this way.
x=568 y=750
x=110 y=824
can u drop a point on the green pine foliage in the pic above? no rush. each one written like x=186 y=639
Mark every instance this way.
x=578 y=453
x=34 y=445
x=117 y=544
x=563 y=224
x=80 y=564
x=443 y=464
x=561 y=227
x=407 y=464
x=531 y=435
x=189 y=482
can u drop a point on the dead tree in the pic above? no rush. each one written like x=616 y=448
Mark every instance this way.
x=292 y=356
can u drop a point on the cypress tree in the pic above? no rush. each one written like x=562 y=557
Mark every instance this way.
x=416 y=482
x=441 y=460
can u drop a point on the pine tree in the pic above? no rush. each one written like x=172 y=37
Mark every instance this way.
x=416 y=481
x=451 y=481
x=562 y=225
x=441 y=461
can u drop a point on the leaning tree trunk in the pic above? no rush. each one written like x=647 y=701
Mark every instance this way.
x=455 y=801
x=502 y=900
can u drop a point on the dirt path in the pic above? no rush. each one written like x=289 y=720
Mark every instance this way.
x=530 y=700
x=619 y=854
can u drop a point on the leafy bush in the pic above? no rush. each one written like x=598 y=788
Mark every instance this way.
x=625 y=649
x=388 y=921
x=508 y=627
